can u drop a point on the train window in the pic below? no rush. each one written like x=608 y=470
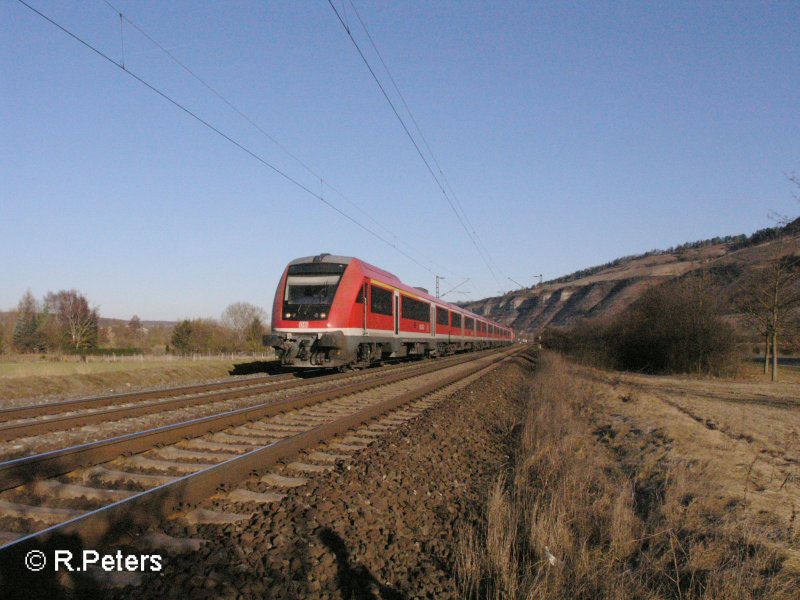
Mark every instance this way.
x=310 y=290
x=317 y=269
x=441 y=315
x=361 y=294
x=381 y=301
x=456 y=319
x=414 y=309
x=469 y=323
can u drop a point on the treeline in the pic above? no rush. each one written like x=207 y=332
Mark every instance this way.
x=736 y=242
x=241 y=329
x=767 y=235
x=673 y=328
x=64 y=322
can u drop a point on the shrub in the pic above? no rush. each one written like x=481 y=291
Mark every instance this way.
x=672 y=328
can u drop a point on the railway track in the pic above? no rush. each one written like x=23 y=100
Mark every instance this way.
x=37 y=419
x=83 y=420
x=92 y=493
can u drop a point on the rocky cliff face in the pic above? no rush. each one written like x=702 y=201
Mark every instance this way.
x=607 y=291
x=531 y=310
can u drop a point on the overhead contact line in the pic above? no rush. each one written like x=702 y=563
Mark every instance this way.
x=222 y=134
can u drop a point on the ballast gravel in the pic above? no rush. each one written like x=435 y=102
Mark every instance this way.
x=384 y=524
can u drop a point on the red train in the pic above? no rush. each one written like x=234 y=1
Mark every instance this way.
x=337 y=311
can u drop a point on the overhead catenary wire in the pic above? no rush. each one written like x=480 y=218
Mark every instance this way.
x=222 y=134
x=421 y=134
x=260 y=129
x=413 y=141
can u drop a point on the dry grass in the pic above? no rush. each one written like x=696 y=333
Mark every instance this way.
x=753 y=370
x=588 y=510
x=15 y=370
x=23 y=381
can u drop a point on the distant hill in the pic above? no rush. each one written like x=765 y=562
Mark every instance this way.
x=606 y=289
x=11 y=315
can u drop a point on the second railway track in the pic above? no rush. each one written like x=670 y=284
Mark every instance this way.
x=118 y=414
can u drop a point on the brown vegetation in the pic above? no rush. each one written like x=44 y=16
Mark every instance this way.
x=673 y=328
x=22 y=381
x=64 y=322
x=770 y=297
x=589 y=510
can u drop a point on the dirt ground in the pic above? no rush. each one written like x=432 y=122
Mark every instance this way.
x=741 y=438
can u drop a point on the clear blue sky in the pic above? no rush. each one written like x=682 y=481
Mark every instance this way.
x=572 y=133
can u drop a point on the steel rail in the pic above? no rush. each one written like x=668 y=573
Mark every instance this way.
x=57 y=462
x=202 y=394
x=147 y=508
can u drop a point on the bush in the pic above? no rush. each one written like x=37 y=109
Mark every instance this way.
x=202 y=336
x=672 y=328
x=587 y=341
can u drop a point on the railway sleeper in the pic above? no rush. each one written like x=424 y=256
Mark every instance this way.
x=38 y=514
x=162 y=466
x=282 y=481
x=52 y=489
x=204 y=457
x=204 y=516
x=115 y=477
x=247 y=496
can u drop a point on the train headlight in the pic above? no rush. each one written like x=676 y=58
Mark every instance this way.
x=322 y=315
x=288 y=315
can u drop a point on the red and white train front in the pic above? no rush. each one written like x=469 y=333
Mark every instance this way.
x=332 y=311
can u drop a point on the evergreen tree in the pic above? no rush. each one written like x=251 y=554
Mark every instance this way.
x=27 y=335
x=182 y=336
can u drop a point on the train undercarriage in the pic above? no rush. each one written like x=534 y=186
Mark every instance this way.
x=334 y=349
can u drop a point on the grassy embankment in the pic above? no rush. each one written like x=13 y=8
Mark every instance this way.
x=614 y=490
x=21 y=380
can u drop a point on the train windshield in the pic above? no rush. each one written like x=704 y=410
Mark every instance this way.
x=310 y=289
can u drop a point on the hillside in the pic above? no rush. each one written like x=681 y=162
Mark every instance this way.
x=605 y=290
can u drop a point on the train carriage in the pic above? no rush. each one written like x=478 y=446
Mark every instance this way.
x=337 y=311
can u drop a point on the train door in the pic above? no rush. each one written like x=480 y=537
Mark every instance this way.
x=364 y=303
x=432 y=317
x=396 y=313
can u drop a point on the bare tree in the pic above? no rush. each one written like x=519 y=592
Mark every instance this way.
x=136 y=331
x=134 y=325
x=243 y=318
x=772 y=294
x=77 y=322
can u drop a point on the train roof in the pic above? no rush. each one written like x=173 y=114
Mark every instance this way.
x=344 y=260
